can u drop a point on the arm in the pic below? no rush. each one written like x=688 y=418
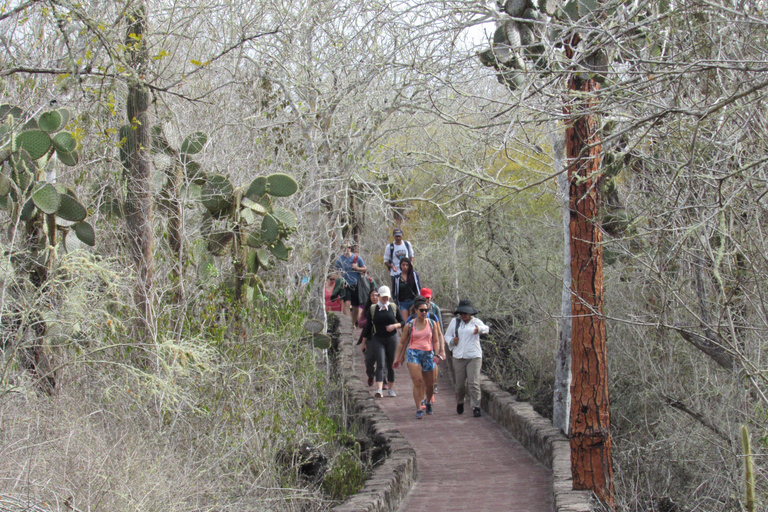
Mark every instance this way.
x=359 y=266
x=404 y=340
x=480 y=327
x=388 y=259
x=440 y=341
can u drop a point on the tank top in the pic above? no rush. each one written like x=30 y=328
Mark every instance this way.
x=421 y=340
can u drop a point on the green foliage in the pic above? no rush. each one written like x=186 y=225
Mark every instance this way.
x=345 y=477
x=27 y=149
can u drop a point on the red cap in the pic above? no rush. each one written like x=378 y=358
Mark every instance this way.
x=426 y=293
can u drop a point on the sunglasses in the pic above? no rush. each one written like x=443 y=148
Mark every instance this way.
x=422 y=310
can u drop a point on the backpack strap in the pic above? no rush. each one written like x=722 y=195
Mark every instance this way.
x=408 y=249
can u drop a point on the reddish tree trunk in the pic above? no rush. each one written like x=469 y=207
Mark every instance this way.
x=590 y=412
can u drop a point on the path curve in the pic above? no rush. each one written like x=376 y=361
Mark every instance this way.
x=463 y=463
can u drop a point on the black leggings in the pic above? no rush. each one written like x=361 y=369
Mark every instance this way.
x=380 y=353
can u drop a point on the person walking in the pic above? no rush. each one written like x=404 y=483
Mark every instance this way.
x=435 y=314
x=396 y=251
x=329 y=289
x=380 y=337
x=407 y=287
x=351 y=266
x=464 y=335
x=420 y=344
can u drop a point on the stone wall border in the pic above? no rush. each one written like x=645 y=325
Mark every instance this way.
x=391 y=481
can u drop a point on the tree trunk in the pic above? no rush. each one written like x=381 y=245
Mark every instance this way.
x=561 y=407
x=590 y=413
x=138 y=201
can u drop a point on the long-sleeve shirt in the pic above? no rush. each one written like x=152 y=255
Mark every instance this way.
x=380 y=320
x=468 y=346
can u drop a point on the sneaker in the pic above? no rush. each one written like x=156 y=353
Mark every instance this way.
x=391 y=392
x=370 y=381
x=385 y=386
x=378 y=394
x=419 y=414
x=435 y=390
x=476 y=412
x=429 y=408
x=424 y=404
x=459 y=408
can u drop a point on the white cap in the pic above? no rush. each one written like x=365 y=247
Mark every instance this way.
x=384 y=292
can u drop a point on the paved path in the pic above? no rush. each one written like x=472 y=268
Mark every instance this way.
x=463 y=463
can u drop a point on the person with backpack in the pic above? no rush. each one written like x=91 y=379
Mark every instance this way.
x=463 y=334
x=380 y=337
x=420 y=345
x=351 y=266
x=395 y=252
x=437 y=316
x=407 y=287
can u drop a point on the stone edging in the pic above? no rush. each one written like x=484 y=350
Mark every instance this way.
x=392 y=480
x=537 y=435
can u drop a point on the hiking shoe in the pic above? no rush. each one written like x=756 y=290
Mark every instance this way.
x=429 y=408
x=419 y=414
x=370 y=381
x=476 y=412
x=424 y=404
x=391 y=392
x=459 y=408
x=378 y=394
x=434 y=391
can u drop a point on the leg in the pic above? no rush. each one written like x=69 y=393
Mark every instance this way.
x=418 y=383
x=473 y=377
x=390 y=350
x=460 y=367
x=370 y=362
x=380 y=358
x=345 y=308
x=429 y=383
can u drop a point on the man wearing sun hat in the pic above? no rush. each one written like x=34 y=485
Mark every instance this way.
x=394 y=252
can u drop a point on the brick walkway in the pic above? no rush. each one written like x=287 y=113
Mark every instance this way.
x=463 y=463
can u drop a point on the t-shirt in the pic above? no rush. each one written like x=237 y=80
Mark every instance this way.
x=405 y=292
x=344 y=265
x=399 y=252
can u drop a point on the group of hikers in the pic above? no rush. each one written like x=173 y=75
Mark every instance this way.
x=401 y=324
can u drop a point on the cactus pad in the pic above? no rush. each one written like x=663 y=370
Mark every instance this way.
x=252 y=262
x=280 y=251
x=269 y=229
x=253 y=205
x=27 y=211
x=321 y=341
x=281 y=185
x=64 y=142
x=285 y=217
x=254 y=240
x=46 y=198
x=69 y=159
x=35 y=142
x=50 y=122
x=263 y=258
x=216 y=193
x=70 y=209
x=85 y=233
x=7 y=110
x=314 y=326
x=193 y=144
x=257 y=188
x=5 y=185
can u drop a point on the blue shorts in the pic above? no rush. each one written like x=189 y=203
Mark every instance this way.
x=425 y=358
x=406 y=304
